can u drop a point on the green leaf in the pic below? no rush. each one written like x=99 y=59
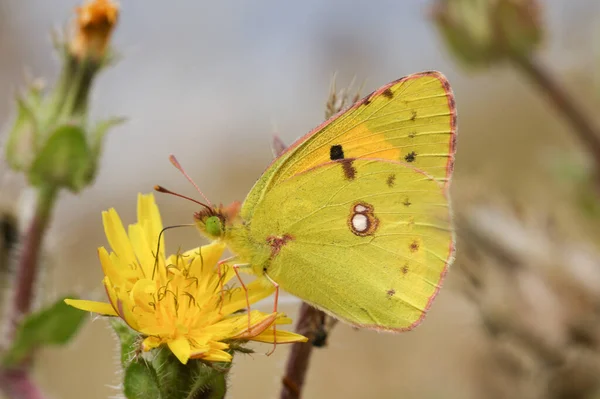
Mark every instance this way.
x=127 y=337
x=54 y=325
x=140 y=381
x=64 y=161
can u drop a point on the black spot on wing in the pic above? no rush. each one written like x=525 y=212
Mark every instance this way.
x=391 y=180
x=410 y=157
x=336 y=152
x=414 y=246
x=387 y=93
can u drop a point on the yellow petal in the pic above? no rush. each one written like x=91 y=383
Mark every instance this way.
x=92 y=306
x=283 y=337
x=181 y=349
x=142 y=249
x=257 y=290
x=124 y=309
x=117 y=238
x=283 y=319
x=258 y=323
x=150 y=343
x=211 y=254
x=149 y=219
x=218 y=345
x=110 y=291
x=214 y=355
x=119 y=274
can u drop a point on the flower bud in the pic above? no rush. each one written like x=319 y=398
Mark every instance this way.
x=482 y=32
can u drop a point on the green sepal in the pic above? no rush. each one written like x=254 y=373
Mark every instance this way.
x=140 y=381
x=96 y=138
x=196 y=379
x=22 y=139
x=160 y=374
x=53 y=325
x=64 y=161
x=128 y=339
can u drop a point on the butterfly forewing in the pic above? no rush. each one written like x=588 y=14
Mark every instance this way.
x=411 y=120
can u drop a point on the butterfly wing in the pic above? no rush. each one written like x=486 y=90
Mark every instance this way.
x=370 y=246
x=411 y=120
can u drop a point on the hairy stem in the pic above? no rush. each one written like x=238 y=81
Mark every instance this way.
x=28 y=263
x=17 y=384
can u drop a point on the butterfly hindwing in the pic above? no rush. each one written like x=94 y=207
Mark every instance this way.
x=367 y=240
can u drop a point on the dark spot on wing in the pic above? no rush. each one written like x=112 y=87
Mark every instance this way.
x=413 y=116
x=391 y=292
x=410 y=157
x=404 y=269
x=414 y=246
x=412 y=135
x=336 y=152
x=391 y=180
x=387 y=93
x=349 y=169
x=406 y=202
x=277 y=243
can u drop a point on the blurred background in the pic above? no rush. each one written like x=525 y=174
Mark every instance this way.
x=519 y=316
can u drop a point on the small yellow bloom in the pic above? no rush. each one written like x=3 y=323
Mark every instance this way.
x=178 y=300
x=95 y=23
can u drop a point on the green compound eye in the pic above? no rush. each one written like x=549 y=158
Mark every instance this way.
x=214 y=226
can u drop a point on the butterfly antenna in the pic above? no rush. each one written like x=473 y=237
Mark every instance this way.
x=161 y=189
x=176 y=163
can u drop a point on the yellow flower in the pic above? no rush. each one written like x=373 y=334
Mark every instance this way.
x=94 y=26
x=178 y=300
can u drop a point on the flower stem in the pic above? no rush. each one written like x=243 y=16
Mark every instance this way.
x=299 y=358
x=28 y=263
x=17 y=384
x=582 y=126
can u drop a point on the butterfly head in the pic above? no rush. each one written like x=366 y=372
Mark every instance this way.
x=215 y=222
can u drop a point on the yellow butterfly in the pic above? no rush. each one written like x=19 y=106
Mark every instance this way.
x=354 y=217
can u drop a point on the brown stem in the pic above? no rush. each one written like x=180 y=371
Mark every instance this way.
x=309 y=320
x=27 y=266
x=582 y=126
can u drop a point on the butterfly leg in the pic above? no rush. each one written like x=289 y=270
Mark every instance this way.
x=275 y=306
x=219 y=271
x=237 y=273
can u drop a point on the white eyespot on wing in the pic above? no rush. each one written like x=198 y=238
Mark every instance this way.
x=360 y=208
x=360 y=222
